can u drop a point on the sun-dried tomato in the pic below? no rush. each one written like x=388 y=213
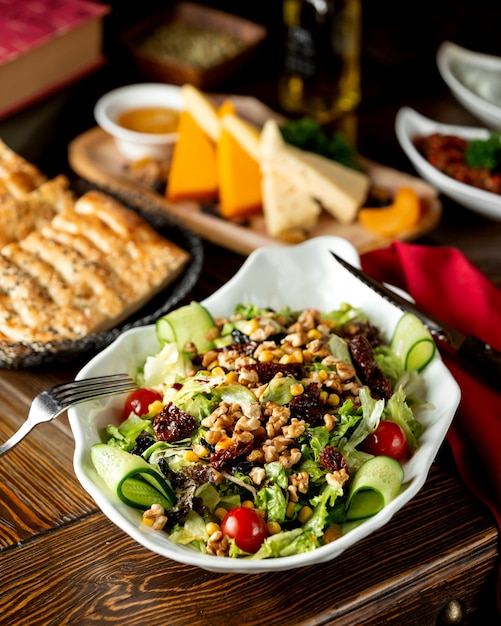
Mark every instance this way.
x=367 y=368
x=173 y=424
x=227 y=460
x=332 y=459
x=307 y=406
x=267 y=371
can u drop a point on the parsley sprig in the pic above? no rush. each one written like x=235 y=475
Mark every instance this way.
x=485 y=153
x=308 y=134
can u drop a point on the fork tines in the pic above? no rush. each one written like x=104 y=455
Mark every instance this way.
x=97 y=387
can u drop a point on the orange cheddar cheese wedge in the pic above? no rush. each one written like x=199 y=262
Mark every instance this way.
x=227 y=108
x=239 y=177
x=193 y=171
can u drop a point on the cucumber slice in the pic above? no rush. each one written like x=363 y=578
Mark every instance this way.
x=131 y=478
x=412 y=343
x=375 y=484
x=189 y=323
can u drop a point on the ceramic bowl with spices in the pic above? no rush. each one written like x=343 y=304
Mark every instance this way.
x=190 y=43
x=143 y=119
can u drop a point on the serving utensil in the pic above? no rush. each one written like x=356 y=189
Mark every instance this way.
x=484 y=359
x=51 y=402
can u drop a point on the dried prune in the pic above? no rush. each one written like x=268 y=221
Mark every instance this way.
x=143 y=441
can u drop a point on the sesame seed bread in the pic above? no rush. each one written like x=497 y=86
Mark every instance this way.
x=90 y=268
x=71 y=267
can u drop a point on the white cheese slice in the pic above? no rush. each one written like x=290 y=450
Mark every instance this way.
x=290 y=213
x=202 y=109
x=340 y=189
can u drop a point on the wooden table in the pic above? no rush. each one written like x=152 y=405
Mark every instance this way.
x=62 y=562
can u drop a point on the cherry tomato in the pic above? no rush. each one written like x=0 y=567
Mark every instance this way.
x=246 y=527
x=387 y=440
x=139 y=400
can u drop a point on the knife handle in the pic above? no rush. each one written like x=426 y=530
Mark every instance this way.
x=483 y=358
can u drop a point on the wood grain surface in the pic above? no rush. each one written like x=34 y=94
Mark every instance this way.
x=62 y=562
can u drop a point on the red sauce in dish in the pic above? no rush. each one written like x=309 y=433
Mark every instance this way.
x=447 y=154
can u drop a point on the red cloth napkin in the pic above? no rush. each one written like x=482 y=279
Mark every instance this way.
x=446 y=284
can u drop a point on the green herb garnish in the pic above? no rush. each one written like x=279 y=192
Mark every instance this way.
x=308 y=134
x=484 y=153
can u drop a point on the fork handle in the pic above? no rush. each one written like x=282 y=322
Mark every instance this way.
x=16 y=437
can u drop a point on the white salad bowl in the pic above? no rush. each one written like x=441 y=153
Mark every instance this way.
x=304 y=275
x=409 y=124
x=475 y=80
x=132 y=144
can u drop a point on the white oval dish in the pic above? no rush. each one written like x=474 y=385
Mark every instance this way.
x=475 y=80
x=134 y=145
x=410 y=124
x=300 y=276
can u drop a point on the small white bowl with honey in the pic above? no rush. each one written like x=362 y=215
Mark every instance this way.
x=142 y=118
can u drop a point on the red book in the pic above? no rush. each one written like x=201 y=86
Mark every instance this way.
x=45 y=45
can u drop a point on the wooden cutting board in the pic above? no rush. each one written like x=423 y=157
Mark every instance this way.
x=94 y=157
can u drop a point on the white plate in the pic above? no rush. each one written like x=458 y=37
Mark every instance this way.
x=475 y=80
x=410 y=124
x=300 y=276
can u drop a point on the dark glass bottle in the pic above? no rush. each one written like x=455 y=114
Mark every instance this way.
x=321 y=65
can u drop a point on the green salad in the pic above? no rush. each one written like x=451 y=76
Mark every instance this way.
x=267 y=433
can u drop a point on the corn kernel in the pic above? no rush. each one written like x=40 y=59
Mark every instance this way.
x=218 y=371
x=273 y=528
x=323 y=397
x=266 y=356
x=290 y=509
x=332 y=533
x=313 y=333
x=224 y=443
x=286 y=359
x=296 y=389
x=200 y=450
x=148 y=521
x=155 y=407
x=212 y=365
x=191 y=457
x=248 y=504
x=278 y=352
x=307 y=356
x=212 y=527
x=323 y=375
x=304 y=514
x=298 y=355
x=333 y=399
x=231 y=377
x=220 y=512
x=250 y=327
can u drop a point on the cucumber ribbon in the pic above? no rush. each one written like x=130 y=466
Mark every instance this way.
x=134 y=481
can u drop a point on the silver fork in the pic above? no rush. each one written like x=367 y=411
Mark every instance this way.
x=50 y=403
